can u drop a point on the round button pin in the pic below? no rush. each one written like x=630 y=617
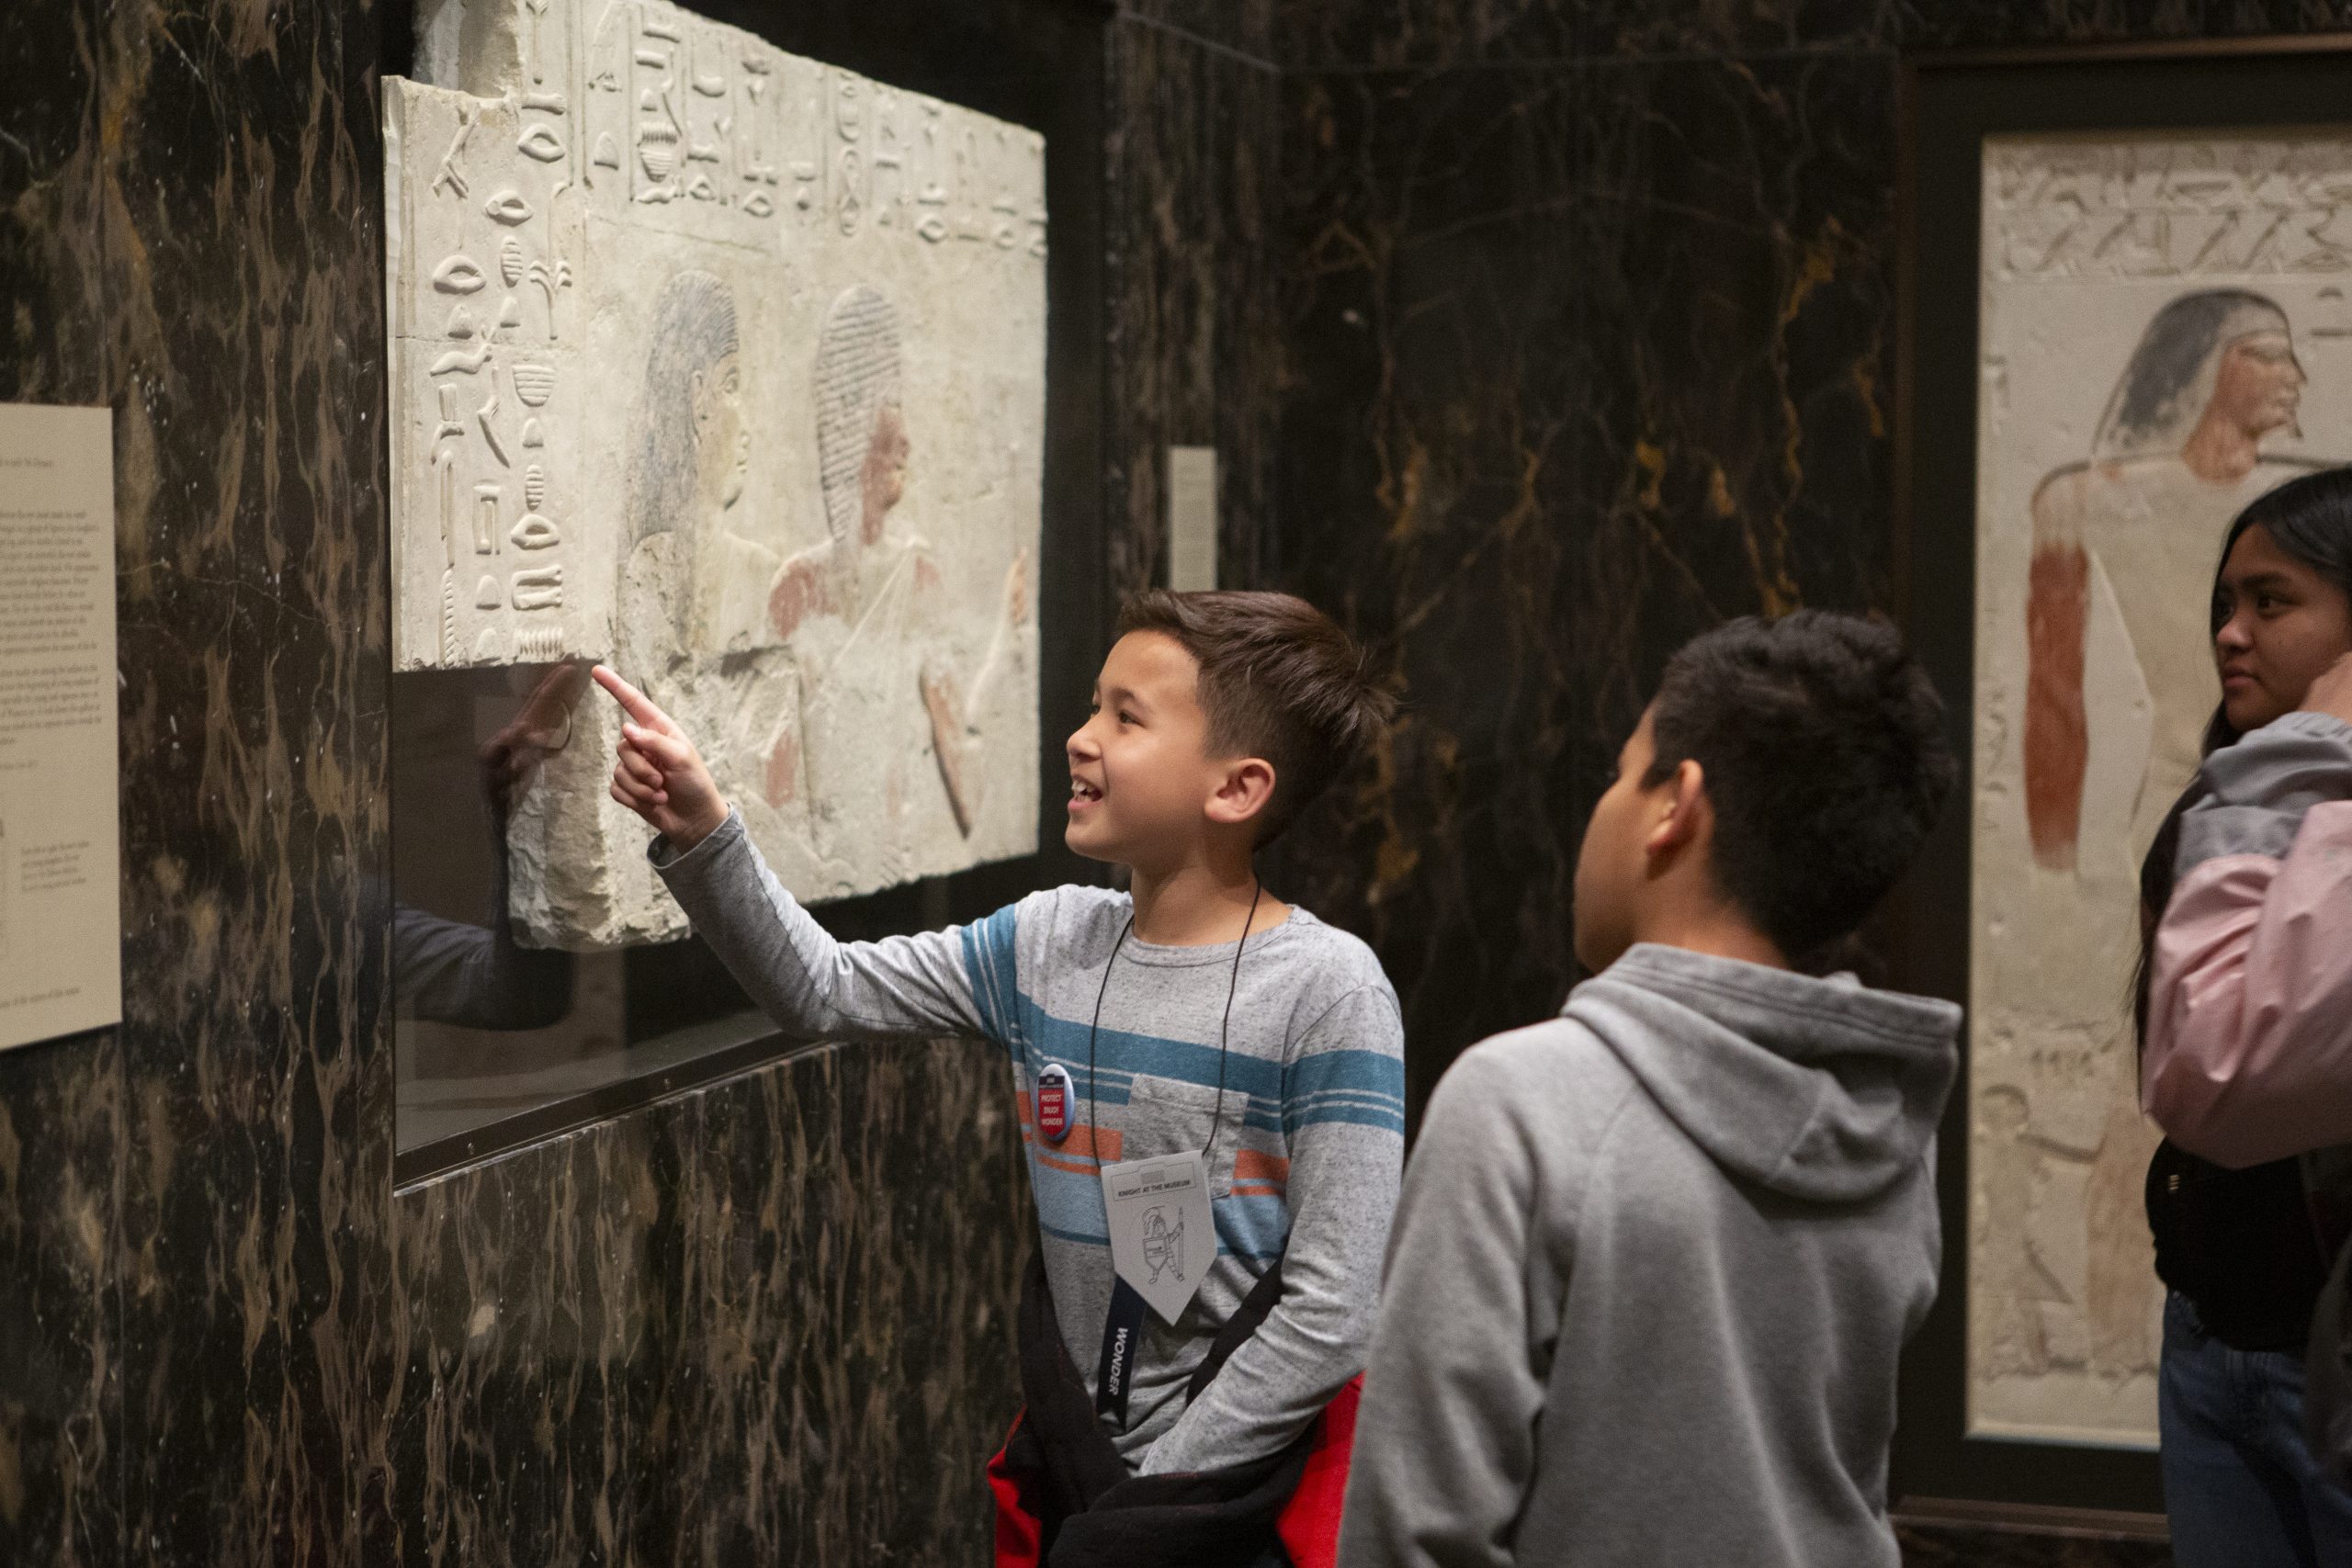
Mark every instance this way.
x=1054 y=1096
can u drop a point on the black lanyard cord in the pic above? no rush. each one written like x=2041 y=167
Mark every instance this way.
x=1224 y=1028
x=1093 y=1117
x=1224 y=1031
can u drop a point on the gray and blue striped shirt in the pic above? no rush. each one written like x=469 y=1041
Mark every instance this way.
x=1309 y=1143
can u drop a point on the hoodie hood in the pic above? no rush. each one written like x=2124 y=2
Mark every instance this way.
x=1820 y=1089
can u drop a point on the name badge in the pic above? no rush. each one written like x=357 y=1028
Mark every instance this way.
x=1162 y=1238
x=1054 y=1097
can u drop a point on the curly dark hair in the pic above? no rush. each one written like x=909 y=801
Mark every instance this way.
x=1823 y=749
x=1279 y=680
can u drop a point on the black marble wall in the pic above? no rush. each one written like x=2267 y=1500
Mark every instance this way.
x=1586 y=357
x=766 y=1321
x=62 y=1112
x=1194 y=244
x=193 y=1206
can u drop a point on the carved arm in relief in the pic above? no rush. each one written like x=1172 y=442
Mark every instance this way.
x=956 y=719
x=2057 y=729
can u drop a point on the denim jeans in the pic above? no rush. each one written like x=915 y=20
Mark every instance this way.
x=2240 y=1484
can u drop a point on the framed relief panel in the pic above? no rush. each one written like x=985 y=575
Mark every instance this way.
x=2126 y=312
x=726 y=367
x=729 y=366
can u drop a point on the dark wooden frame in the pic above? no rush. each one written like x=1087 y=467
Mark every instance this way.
x=1948 y=104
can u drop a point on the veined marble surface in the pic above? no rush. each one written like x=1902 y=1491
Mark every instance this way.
x=228 y=1341
x=769 y=1321
x=1599 y=356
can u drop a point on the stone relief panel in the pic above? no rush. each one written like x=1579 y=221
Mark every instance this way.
x=726 y=367
x=2164 y=335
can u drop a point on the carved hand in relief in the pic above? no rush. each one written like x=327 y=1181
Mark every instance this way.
x=2332 y=692
x=1016 y=590
x=942 y=701
x=659 y=774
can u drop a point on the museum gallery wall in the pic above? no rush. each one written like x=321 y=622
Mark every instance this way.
x=727 y=367
x=2163 y=335
x=672 y=1336
x=221 y=1329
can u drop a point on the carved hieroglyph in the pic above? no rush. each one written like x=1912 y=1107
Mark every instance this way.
x=729 y=367
x=2164 y=335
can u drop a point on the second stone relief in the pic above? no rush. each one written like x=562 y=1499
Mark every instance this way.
x=2164 y=335
x=727 y=367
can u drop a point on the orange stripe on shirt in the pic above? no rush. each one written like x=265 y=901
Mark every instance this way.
x=1080 y=1152
x=1250 y=1165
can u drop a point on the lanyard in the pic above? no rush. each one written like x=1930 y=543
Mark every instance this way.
x=1224 y=1029
x=1123 y=1324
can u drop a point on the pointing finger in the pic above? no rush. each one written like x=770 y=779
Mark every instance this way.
x=636 y=704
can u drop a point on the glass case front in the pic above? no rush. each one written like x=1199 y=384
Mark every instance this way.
x=489 y=1029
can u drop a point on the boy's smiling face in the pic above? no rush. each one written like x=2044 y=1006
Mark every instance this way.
x=1140 y=775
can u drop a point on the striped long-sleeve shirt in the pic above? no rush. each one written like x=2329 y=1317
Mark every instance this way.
x=1309 y=1143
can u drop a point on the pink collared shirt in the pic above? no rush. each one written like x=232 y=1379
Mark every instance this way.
x=2249 y=1041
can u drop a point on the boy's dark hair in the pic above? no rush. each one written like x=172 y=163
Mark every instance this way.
x=1279 y=680
x=1822 y=742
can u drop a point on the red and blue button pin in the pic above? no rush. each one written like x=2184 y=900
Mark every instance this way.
x=1055 y=1095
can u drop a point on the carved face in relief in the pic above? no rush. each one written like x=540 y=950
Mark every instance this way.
x=883 y=482
x=2258 y=386
x=689 y=446
x=2226 y=353
x=722 y=445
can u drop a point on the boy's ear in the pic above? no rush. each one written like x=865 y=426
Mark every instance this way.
x=1684 y=813
x=1243 y=791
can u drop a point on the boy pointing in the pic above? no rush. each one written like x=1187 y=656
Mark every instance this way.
x=1210 y=1081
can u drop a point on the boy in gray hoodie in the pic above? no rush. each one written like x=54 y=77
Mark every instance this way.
x=1656 y=1259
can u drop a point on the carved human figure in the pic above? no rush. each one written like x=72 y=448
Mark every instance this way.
x=694 y=586
x=691 y=566
x=857 y=608
x=2177 y=454
x=2119 y=683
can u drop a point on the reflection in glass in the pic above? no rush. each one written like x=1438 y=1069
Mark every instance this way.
x=487 y=1028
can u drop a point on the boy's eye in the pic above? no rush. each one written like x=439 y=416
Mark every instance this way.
x=1127 y=717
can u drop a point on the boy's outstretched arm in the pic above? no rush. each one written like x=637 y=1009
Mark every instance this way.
x=1445 y=1440
x=957 y=981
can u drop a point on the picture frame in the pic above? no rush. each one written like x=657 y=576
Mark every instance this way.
x=1956 y=465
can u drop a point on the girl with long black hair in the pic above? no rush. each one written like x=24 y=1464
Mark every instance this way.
x=2245 y=1032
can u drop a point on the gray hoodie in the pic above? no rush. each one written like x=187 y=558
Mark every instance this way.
x=1651 y=1276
